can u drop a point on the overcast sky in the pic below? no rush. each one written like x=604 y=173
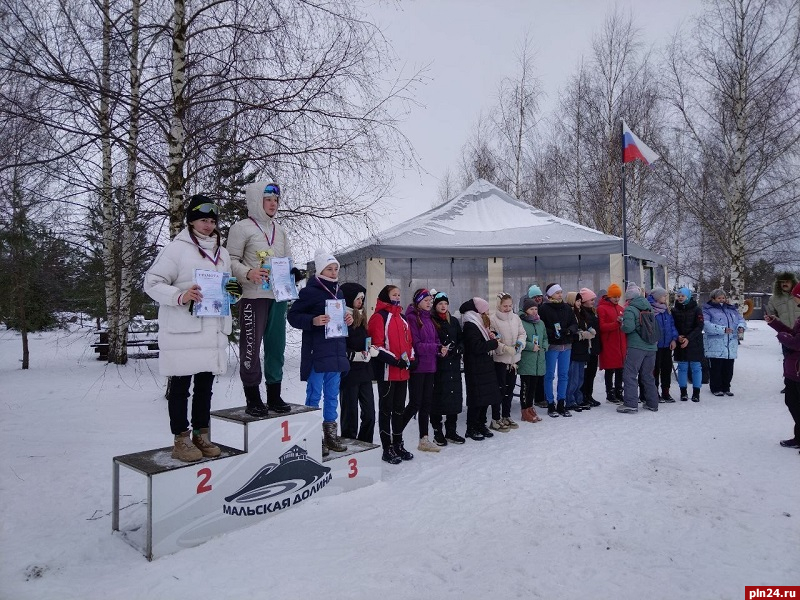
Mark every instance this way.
x=470 y=46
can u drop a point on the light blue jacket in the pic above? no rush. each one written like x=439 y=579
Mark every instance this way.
x=717 y=318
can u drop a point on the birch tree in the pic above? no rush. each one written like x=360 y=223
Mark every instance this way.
x=735 y=87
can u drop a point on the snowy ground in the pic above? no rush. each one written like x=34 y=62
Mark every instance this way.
x=695 y=501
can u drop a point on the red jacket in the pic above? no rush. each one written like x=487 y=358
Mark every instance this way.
x=614 y=341
x=389 y=332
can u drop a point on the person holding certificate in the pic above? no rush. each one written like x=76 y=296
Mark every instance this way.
x=192 y=345
x=320 y=313
x=254 y=243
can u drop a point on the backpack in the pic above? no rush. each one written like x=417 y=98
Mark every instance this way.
x=648 y=328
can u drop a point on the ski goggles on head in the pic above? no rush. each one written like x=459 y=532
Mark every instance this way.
x=206 y=208
x=272 y=189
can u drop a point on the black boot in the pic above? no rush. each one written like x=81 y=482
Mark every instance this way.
x=551 y=410
x=401 y=451
x=619 y=395
x=274 y=401
x=695 y=394
x=610 y=397
x=390 y=456
x=562 y=409
x=255 y=407
x=438 y=438
x=684 y=395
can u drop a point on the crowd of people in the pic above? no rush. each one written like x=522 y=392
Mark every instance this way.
x=554 y=344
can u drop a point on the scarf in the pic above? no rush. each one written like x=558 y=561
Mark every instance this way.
x=658 y=307
x=472 y=317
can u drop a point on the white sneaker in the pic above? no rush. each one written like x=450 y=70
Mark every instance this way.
x=499 y=426
x=425 y=445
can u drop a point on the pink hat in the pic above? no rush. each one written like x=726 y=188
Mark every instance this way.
x=587 y=294
x=481 y=305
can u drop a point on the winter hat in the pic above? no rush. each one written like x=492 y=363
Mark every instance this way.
x=534 y=291
x=587 y=294
x=527 y=303
x=796 y=291
x=481 y=305
x=421 y=295
x=553 y=289
x=614 y=291
x=502 y=296
x=201 y=207
x=657 y=293
x=323 y=258
x=715 y=293
x=440 y=297
x=352 y=291
x=633 y=291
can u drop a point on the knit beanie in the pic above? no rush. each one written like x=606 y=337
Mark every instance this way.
x=351 y=291
x=658 y=293
x=323 y=258
x=383 y=295
x=632 y=291
x=201 y=207
x=440 y=297
x=527 y=303
x=614 y=291
x=587 y=294
x=481 y=305
x=534 y=291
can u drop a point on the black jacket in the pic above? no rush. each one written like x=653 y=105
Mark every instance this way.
x=479 y=371
x=448 y=397
x=560 y=313
x=689 y=323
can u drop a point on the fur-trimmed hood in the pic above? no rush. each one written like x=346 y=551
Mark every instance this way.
x=776 y=287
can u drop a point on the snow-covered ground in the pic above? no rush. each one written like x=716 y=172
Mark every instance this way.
x=695 y=501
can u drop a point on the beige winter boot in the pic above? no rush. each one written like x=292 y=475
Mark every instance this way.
x=425 y=445
x=184 y=450
x=202 y=440
x=332 y=440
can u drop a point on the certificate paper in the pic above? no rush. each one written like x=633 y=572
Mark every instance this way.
x=216 y=301
x=283 y=284
x=335 y=328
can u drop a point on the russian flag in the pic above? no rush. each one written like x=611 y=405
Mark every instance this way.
x=633 y=148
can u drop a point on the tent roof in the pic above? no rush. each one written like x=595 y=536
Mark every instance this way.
x=486 y=221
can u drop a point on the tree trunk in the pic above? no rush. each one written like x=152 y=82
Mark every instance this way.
x=177 y=135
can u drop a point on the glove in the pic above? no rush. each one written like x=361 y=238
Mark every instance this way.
x=509 y=349
x=373 y=351
x=413 y=366
x=401 y=364
x=234 y=288
x=299 y=274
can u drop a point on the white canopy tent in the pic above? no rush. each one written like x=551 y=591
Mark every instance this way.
x=484 y=241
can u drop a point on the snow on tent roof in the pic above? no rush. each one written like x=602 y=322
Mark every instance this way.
x=484 y=221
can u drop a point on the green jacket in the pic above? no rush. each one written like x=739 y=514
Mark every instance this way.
x=630 y=321
x=530 y=362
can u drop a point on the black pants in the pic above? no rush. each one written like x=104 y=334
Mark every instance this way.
x=663 y=370
x=391 y=402
x=450 y=422
x=720 y=372
x=201 y=401
x=420 y=397
x=531 y=388
x=476 y=417
x=588 y=377
x=792 y=399
x=507 y=380
x=352 y=397
x=613 y=380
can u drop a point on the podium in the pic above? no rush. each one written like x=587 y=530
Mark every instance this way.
x=279 y=466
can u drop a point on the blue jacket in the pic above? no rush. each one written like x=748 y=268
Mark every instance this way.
x=716 y=318
x=324 y=355
x=669 y=333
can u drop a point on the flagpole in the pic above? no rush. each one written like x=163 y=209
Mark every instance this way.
x=624 y=209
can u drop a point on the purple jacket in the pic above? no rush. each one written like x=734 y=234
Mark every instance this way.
x=424 y=338
x=789 y=337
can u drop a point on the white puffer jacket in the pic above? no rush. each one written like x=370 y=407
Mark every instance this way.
x=246 y=238
x=511 y=331
x=187 y=344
